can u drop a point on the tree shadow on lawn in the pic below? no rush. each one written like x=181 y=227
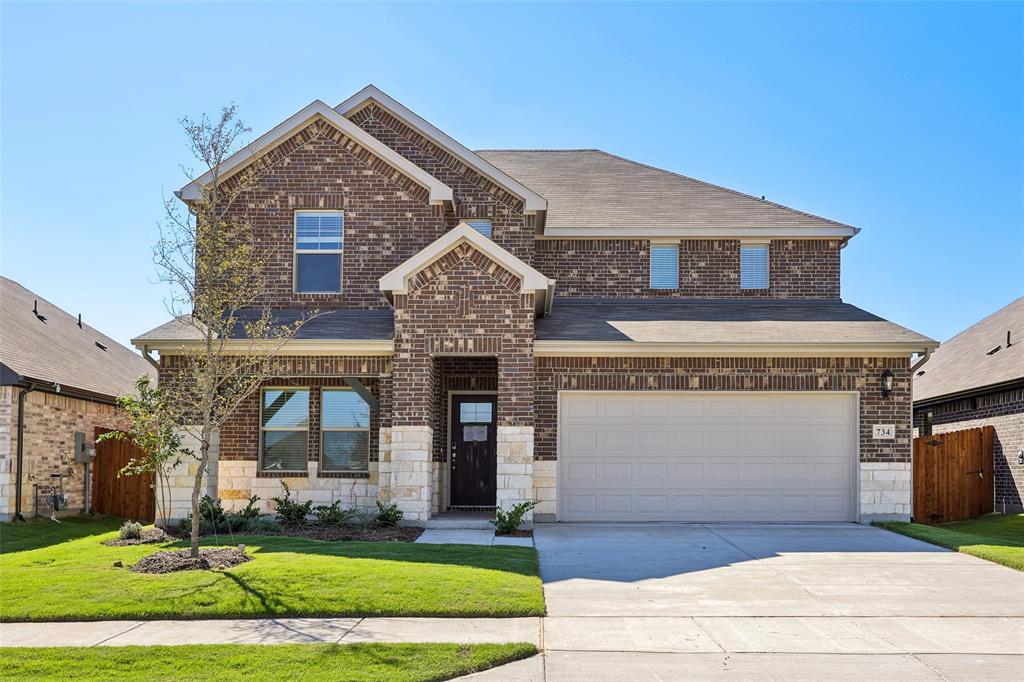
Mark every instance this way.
x=18 y=536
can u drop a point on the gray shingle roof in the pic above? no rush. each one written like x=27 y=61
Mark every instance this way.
x=727 y=321
x=963 y=363
x=60 y=351
x=589 y=188
x=353 y=325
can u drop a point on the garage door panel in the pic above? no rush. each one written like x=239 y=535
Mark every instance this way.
x=706 y=457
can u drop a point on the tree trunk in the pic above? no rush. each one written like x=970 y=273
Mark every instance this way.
x=204 y=457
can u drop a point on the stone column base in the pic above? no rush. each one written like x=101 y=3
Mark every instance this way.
x=183 y=477
x=885 y=491
x=406 y=472
x=515 y=467
x=545 y=481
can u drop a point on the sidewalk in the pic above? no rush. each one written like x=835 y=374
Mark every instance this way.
x=272 y=631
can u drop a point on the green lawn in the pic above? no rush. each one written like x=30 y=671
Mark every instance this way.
x=76 y=579
x=232 y=662
x=995 y=537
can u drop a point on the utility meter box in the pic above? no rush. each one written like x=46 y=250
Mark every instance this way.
x=84 y=453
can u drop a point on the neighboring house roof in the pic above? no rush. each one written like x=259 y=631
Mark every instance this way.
x=592 y=193
x=439 y=192
x=966 y=362
x=532 y=202
x=58 y=351
x=720 y=323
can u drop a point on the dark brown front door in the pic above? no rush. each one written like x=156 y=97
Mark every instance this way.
x=473 y=450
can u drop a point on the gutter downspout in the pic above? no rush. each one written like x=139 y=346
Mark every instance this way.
x=21 y=450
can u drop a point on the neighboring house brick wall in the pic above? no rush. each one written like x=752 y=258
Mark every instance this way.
x=1004 y=411
x=387 y=216
x=708 y=268
x=475 y=195
x=50 y=425
x=862 y=375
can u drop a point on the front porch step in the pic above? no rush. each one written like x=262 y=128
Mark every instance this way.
x=457 y=521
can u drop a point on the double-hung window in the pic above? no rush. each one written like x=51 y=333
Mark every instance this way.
x=753 y=266
x=284 y=429
x=344 y=431
x=319 y=240
x=664 y=266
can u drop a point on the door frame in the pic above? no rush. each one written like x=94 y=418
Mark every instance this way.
x=446 y=497
x=855 y=426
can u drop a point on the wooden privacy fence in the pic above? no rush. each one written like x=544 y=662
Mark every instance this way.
x=129 y=497
x=953 y=475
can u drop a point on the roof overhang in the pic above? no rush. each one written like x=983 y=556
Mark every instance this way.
x=292 y=347
x=439 y=193
x=968 y=393
x=683 y=349
x=669 y=232
x=532 y=202
x=532 y=280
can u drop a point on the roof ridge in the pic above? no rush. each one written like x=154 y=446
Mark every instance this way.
x=726 y=189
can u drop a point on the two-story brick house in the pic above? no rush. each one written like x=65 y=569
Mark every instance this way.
x=612 y=340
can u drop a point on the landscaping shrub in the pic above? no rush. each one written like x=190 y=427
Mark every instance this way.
x=506 y=522
x=211 y=517
x=332 y=514
x=388 y=514
x=290 y=512
x=363 y=518
x=131 y=530
x=251 y=510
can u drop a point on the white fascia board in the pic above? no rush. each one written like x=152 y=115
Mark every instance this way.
x=396 y=280
x=439 y=192
x=658 y=349
x=293 y=347
x=532 y=202
x=752 y=233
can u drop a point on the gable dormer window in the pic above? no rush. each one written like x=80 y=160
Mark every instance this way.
x=319 y=239
x=753 y=266
x=664 y=266
x=481 y=226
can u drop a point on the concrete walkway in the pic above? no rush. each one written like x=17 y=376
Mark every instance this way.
x=272 y=631
x=470 y=536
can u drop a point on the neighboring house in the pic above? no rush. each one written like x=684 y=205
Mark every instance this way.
x=612 y=340
x=977 y=379
x=58 y=377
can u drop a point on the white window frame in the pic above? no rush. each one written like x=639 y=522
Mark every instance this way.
x=263 y=429
x=674 y=245
x=324 y=252
x=325 y=429
x=767 y=264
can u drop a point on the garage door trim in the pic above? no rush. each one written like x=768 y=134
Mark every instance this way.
x=855 y=435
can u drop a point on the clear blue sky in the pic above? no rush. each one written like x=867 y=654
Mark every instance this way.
x=906 y=120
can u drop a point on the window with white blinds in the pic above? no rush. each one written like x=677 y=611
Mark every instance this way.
x=319 y=240
x=284 y=427
x=664 y=266
x=754 y=266
x=344 y=431
x=481 y=226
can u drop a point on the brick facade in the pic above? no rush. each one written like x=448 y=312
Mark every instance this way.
x=708 y=268
x=861 y=375
x=50 y=425
x=1004 y=410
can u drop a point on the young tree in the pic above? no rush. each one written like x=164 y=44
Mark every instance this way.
x=212 y=260
x=150 y=426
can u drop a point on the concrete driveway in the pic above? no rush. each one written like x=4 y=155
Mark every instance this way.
x=686 y=601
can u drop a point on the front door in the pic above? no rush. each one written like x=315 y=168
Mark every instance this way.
x=473 y=456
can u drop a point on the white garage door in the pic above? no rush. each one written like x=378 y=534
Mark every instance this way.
x=667 y=456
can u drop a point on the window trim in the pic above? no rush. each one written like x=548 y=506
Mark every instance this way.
x=674 y=245
x=277 y=429
x=325 y=429
x=296 y=251
x=766 y=245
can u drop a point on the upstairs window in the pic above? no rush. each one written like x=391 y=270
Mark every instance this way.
x=664 y=266
x=481 y=226
x=344 y=431
x=284 y=429
x=319 y=238
x=753 y=266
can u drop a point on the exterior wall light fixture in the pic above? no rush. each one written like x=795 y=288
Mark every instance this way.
x=887 y=377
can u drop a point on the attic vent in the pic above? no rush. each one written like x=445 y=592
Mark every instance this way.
x=1008 y=344
x=994 y=350
x=35 y=311
x=100 y=345
x=920 y=373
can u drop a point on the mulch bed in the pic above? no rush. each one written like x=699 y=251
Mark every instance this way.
x=330 y=533
x=148 y=537
x=516 y=534
x=182 y=560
